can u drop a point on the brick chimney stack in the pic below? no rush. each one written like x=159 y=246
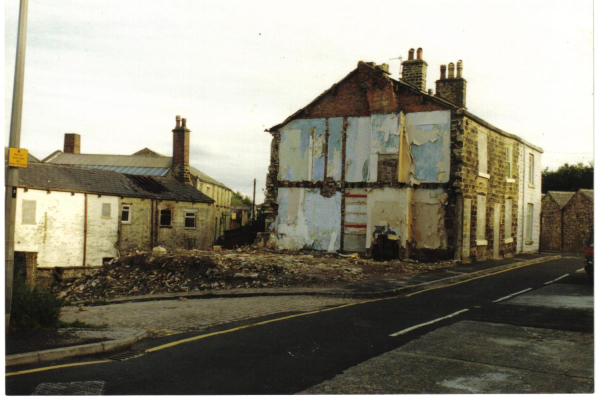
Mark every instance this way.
x=180 y=166
x=72 y=143
x=451 y=88
x=415 y=71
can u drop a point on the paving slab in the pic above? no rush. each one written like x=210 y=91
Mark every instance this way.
x=474 y=357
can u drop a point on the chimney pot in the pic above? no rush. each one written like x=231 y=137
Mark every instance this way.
x=443 y=71
x=430 y=92
x=183 y=120
x=451 y=70
x=411 y=54
x=459 y=69
x=419 y=54
x=177 y=121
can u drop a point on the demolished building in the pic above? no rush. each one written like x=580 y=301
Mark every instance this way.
x=377 y=156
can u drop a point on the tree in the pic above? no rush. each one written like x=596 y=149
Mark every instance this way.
x=240 y=200
x=568 y=178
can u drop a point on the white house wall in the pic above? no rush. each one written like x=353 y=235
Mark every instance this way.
x=58 y=233
x=307 y=219
x=529 y=194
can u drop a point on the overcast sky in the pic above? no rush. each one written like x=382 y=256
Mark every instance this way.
x=118 y=71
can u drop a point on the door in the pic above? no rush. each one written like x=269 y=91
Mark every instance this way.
x=355 y=220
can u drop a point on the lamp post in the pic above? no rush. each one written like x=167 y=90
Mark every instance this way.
x=12 y=177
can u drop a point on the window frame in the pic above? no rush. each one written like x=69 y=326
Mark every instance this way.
x=129 y=212
x=160 y=218
x=186 y=217
x=531 y=162
x=509 y=162
x=482 y=154
x=481 y=220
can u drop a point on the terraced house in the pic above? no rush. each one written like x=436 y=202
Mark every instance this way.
x=376 y=155
x=150 y=163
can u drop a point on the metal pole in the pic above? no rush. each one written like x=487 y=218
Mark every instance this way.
x=12 y=179
x=253 y=200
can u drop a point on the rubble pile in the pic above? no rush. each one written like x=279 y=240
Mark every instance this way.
x=195 y=270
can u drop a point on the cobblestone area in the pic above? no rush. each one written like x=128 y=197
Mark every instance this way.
x=164 y=318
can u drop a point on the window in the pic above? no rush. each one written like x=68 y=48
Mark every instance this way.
x=508 y=218
x=126 y=214
x=509 y=161
x=165 y=218
x=106 y=210
x=28 y=216
x=531 y=169
x=482 y=152
x=481 y=215
x=529 y=232
x=190 y=219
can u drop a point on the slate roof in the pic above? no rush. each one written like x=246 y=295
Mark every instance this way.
x=103 y=182
x=561 y=197
x=150 y=163
x=412 y=87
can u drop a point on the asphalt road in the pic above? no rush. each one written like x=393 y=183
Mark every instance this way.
x=290 y=353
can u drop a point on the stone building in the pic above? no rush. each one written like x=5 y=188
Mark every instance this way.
x=150 y=163
x=375 y=154
x=70 y=217
x=567 y=220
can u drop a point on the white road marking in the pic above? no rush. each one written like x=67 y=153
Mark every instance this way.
x=580 y=271
x=556 y=279
x=428 y=323
x=512 y=295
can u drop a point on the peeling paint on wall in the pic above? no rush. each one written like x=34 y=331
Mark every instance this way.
x=307 y=219
x=297 y=152
x=334 y=156
x=428 y=134
x=358 y=146
x=388 y=207
x=428 y=212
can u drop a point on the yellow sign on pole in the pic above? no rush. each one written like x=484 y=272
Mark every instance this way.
x=17 y=157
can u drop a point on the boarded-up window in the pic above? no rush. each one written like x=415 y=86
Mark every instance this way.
x=28 y=216
x=508 y=218
x=529 y=220
x=106 y=210
x=482 y=152
x=481 y=218
x=387 y=168
x=165 y=218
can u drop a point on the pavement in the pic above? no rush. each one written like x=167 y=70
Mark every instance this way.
x=130 y=319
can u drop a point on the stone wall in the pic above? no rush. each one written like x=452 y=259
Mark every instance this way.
x=491 y=184
x=551 y=237
x=578 y=222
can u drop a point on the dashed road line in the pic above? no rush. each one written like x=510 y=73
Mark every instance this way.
x=556 y=279
x=427 y=323
x=512 y=295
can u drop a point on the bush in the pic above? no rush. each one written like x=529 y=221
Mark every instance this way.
x=33 y=307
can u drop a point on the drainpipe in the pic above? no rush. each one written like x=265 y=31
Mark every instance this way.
x=523 y=206
x=85 y=218
x=152 y=203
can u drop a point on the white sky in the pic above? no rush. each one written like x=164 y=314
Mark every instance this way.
x=118 y=71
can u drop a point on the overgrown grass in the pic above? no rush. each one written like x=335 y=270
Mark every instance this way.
x=33 y=307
